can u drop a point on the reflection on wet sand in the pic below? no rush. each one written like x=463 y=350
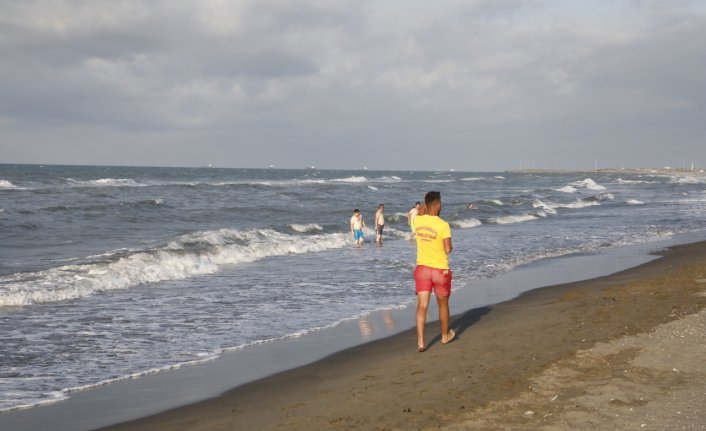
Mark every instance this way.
x=367 y=326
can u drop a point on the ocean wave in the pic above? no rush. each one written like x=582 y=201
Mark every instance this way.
x=472 y=179
x=152 y=202
x=577 y=204
x=499 y=177
x=403 y=234
x=372 y=188
x=465 y=224
x=389 y=179
x=549 y=209
x=353 y=179
x=634 y=202
x=4 y=184
x=310 y=181
x=509 y=219
x=303 y=228
x=396 y=217
x=567 y=189
x=193 y=254
x=587 y=183
x=146 y=203
x=685 y=180
x=105 y=182
x=622 y=181
x=601 y=197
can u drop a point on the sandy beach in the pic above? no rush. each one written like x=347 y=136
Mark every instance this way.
x=618 y=352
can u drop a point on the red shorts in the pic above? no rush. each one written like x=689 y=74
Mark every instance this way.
x=427 y=278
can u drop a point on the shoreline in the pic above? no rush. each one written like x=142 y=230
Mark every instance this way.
x=126 y=400
x=482 y=379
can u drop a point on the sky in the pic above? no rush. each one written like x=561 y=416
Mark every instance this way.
x=477 y=85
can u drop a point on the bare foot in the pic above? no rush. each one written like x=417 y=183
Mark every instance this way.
x=449 y=337
x=421 y=349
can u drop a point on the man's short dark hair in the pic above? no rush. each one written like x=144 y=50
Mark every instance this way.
x=417 y=203
x=356 y=210
x=431 y=197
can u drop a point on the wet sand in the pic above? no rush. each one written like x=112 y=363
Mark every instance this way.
x=624 y=351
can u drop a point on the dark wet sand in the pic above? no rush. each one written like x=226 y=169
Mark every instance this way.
x=550 y=359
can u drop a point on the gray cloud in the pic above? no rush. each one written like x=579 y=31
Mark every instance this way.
x=484 y=84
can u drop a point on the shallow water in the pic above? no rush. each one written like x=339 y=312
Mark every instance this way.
x=107 y=273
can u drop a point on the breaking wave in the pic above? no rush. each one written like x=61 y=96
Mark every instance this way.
x=4 y=184
x=622 y=181
x=192 y=254
x=352 y=179
x=465 y=224
x=578 y=204
x=587 y=183
x=105 y=182
x=685 y=180
x=509 y=219
x=303 y=228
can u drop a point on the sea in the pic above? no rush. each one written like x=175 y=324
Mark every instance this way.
x=112 y=273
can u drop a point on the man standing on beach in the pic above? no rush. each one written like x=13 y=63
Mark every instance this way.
x=379 y=222
x=357 y=225
x=433 y=236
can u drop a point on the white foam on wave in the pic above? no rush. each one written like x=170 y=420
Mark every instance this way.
x=602 y=197
x=587 y=183
x=174 y=262
x=353 y=179
x=437 y=181
x=4 y=184
x=55 y=396
x=472 y=179
x=396 y=217
x=548 y=208
x=466 y=224
x=496 y=202
x=310 y=227
x=685 y=180
x=310 y=181
x=567 y=189
x=398 y=233
x=578 y=204
x=105 y=182
x=373 y=188
x=499 y=177
x=25 y=399
x=634 y=202
x=622 y=181
x=513 y=219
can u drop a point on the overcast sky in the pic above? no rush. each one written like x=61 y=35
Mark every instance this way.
x=387 y=84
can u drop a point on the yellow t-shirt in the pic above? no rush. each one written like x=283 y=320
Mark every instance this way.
x=430 y=232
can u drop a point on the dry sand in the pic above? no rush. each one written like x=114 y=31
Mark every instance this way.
x=624 y=352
